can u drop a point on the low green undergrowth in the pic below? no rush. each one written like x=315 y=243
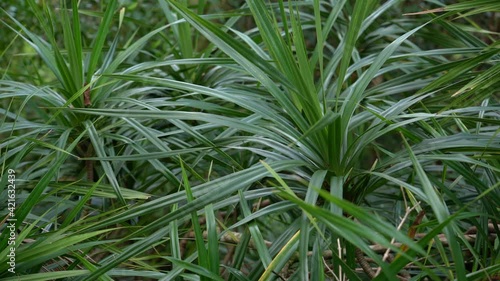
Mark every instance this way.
x=257 y=140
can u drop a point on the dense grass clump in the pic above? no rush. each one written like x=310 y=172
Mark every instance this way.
x=257 y=140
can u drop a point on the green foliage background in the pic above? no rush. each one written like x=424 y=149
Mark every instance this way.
x=257 y=140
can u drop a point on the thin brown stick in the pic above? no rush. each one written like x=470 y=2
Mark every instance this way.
x=403 y=220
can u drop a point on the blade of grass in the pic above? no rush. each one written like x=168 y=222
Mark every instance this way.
x=258 y=240
x=212 y=240
x=98 y=145
x=203 y=259
x=202 y=272
x=100 y=39
x=311 y=198
x=441 y=211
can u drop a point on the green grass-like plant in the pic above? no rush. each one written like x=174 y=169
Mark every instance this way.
x=257 y=140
